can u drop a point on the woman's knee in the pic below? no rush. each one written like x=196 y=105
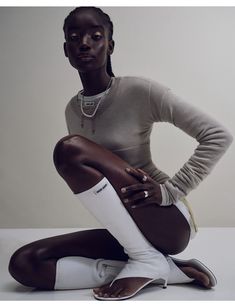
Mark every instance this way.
x=178 y=243
x=72 y=158
x=68 y=149
x=23 y=265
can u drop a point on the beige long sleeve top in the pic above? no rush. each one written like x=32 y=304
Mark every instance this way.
x=124 y=121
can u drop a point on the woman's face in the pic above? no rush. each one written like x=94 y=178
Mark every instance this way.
x=86 y=35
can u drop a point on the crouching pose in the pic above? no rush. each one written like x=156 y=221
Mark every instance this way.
x=106 y=162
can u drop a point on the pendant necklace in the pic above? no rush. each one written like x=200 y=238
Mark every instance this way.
x=92 y=115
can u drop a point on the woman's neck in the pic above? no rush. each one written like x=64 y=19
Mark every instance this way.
x=94 y=83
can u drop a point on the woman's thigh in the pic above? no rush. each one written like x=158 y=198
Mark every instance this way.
x=34 y=264
x=91 y=243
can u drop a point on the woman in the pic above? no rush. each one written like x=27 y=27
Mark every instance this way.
x=106 y=162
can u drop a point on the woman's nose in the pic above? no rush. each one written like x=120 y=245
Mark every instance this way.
x=85 y=41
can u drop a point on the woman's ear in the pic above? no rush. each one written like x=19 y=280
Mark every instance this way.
x=111 y=46
x=65 y=50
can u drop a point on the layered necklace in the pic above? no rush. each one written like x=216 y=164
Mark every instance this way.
x=91 y=103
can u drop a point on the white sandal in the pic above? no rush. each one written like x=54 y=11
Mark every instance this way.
x=133 y=269
x=102 y=298
x=198 y=265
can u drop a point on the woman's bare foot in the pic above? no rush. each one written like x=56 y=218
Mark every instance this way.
x=127 y=286
x=200 y=278
x=121 y=287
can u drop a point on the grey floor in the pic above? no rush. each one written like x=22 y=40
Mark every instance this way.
x=213 y=246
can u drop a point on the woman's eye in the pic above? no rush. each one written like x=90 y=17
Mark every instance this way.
x=97 y=36
x=73 y=36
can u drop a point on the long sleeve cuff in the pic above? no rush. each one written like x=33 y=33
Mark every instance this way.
x=170 y=194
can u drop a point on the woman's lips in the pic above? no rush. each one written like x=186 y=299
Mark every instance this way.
x=84 y=55
x=85 y=58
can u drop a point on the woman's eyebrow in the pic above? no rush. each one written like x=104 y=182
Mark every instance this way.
x=97 y=26
x=91 y=27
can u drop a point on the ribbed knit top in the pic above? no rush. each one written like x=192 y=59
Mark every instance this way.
x=124 y=121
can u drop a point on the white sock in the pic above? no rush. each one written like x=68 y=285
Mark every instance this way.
x=75 y=272
x=81 y=272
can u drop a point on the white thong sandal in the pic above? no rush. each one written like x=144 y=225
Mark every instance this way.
x=101 y=298
x=198 y=265
x=133 y=269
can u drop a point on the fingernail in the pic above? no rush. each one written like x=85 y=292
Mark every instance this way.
x=128 y=169
x=123 y=190
x=133 y=207
x=125 y=200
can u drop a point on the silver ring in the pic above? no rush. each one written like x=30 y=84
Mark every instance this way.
x=146 y=194
x=145 y=178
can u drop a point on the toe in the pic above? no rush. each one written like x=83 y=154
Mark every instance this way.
x=114 y=290
x=107 y=291
x=199 y=277
x=126 y=293
x=101 y=290
x=203 y=280
x=116 y=293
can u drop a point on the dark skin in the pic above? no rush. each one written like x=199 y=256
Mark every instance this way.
x=75 y=162
x=94 y=79
x=81 y=36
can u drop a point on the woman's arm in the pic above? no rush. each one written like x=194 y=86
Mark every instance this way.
x=213 y=138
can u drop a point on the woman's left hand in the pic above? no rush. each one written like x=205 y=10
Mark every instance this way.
x=141 y=194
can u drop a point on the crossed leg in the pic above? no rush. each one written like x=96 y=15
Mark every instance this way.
x=34 y=264
x=82 y=164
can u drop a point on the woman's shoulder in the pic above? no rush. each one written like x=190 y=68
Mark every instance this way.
x=71 y=104
x=134 y=79
x=133 y=84
x=141 y=81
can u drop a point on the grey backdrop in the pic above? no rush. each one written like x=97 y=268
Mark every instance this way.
x=189 y=49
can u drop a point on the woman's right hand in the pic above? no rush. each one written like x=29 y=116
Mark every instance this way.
x=141 y=194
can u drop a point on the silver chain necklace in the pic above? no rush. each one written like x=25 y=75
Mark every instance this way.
x=98 y=104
